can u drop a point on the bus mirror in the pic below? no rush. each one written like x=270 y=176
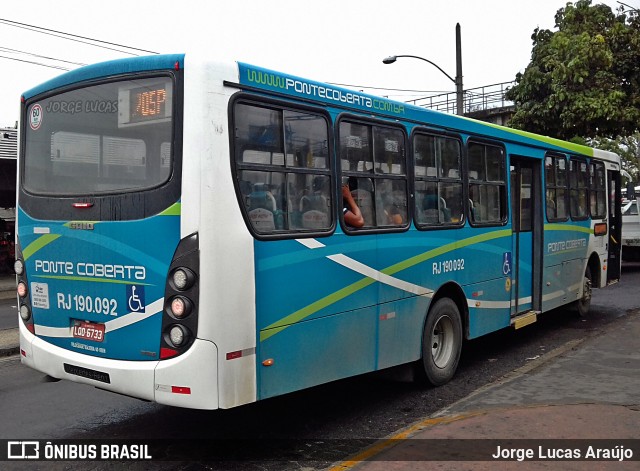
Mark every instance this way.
x=631 y=192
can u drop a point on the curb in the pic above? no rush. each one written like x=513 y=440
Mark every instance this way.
x=10 y=342
x=9 y=294
x=9 y=352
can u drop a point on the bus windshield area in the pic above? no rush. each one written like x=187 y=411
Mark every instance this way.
x=106 y=138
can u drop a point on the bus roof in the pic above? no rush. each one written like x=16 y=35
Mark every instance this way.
x=105 y=69
x=330 y=95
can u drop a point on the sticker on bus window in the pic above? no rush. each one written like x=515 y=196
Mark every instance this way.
x=35 y=116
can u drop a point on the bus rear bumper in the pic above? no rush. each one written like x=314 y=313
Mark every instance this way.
x=189 y=380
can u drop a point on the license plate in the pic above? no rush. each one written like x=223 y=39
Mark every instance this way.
x=88 y=331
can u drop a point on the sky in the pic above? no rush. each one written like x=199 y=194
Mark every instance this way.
x=335 y=41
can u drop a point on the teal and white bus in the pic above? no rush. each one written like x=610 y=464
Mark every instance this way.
x=182 y=238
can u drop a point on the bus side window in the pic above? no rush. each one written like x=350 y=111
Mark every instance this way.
x=578 y=193
x=373 y=158
x=391 y=202
x=556 y=187
x=438 y=188
x=282 y=167
x=597 y=192
x=487 y=183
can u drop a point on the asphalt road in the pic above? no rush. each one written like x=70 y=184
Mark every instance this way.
x=8 y=314
x=305 y=430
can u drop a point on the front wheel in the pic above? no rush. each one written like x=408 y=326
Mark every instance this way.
x=583 y=304
x=441 y=342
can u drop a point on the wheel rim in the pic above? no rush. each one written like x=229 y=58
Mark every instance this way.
x=442 y=340
x=586 y=292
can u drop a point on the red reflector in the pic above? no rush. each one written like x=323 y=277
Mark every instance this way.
x=177 y=65
x=167 y=353
x=180 y=390
x=82 y=205
x=31 y=328
x=234 y=355
x=23 y=353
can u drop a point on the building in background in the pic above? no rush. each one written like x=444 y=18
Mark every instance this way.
x=8 y=169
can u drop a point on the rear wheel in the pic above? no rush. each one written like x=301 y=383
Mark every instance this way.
x=441 y=342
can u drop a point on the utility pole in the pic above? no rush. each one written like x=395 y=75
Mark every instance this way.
x=458 y=80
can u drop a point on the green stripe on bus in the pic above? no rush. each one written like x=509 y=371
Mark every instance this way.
x=37 y=244
x=570 y=146
x=173 y=210
x=458 y=244
x=305 y=312
x=567 y=227
x=301 y=314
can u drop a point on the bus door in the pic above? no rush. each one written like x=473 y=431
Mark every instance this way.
x=615 y=225
x=526 y=217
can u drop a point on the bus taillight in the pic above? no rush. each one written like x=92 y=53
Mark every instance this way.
x=181 y=307
x=22 y=288
x=18 y=267
x=178 y=335
x=25 y=312
x=183 y=278
x=180 y=316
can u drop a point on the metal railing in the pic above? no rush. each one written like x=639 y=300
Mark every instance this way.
x=475 y=99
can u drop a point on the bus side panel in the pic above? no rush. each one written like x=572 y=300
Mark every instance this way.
x=489 y=306
x=565 y=250
x=367 y=291
x=400 y=331
x=316 y=316
x=295 y=282
x=318 y=351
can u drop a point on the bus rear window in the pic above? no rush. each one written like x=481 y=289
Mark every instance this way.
x=107 y=138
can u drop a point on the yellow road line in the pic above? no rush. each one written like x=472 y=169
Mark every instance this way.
x=392 y=441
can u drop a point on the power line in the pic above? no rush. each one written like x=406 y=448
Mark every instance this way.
x=36 y=63
x=16 y=51
x=69 y=37
x=390 y=89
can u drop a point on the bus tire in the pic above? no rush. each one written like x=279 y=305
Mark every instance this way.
x=583 y=304
x=441 y=342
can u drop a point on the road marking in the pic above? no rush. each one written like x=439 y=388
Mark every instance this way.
x=392 y=441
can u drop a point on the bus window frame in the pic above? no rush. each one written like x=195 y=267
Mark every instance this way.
x=504 y=196
x=372 y=123
x=555 y=187
x=575 y=160
x=260 y=101
x=593 y=163
x=422 y=131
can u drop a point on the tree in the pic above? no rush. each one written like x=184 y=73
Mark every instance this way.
x=583 y=80
x=628 y=148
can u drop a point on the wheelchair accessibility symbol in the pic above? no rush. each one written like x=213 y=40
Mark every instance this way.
x=135 y=298
x=506 y=264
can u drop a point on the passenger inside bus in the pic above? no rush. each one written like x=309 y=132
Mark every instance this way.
x=351 y=211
